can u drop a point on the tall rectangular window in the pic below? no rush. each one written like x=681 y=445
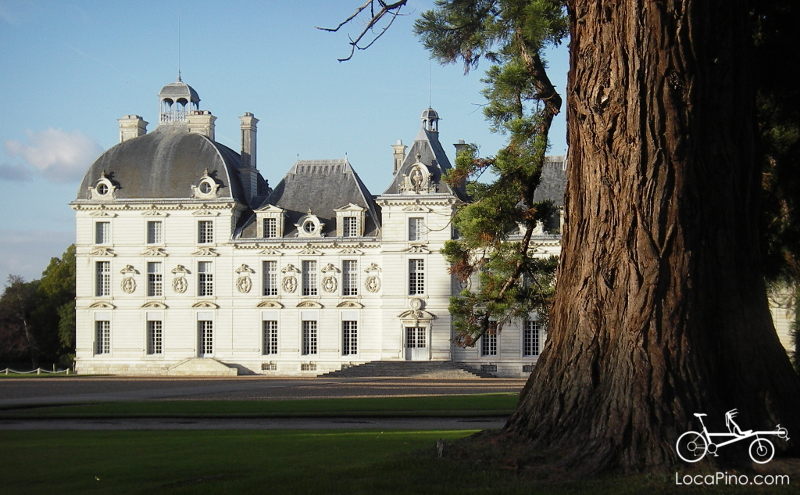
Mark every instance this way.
x=416 y=228
x=155 y=279
x=350 y=278
x=415 y=337
x=154 y=232
x=489 y=343
x=270 y=228
x=205 y=330
x=416 y=277
x=205 y=279
x=154 y=337
x=531 y=338
x=102 y=232
x=349 y=338
x=270 y=337
x=309 y=278
x=309 y=337
x=102 y=337
x=270 y=278
x=349 y=227
x=205 y=231
x=103 y=285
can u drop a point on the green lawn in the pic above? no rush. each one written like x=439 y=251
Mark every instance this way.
x=275 y=462
x=439 y=406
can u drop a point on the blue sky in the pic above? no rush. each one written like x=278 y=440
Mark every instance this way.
x=71 y=68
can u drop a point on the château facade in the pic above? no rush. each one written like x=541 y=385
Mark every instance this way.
x=189 y=263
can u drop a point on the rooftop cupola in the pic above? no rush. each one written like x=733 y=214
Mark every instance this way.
x=177 y=100
x=430 y=120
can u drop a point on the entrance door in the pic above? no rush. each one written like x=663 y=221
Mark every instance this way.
x=416 y=344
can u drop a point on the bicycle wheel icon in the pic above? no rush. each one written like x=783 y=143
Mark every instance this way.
x=761 y=450
x=691 y=446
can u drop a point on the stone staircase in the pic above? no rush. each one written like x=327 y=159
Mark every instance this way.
x=201 y=367
x=415 y=369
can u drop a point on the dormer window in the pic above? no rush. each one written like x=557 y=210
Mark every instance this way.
x=309 y=226
x=350 y=221
x=206 y=187
x=269 y=222
x=103 y=188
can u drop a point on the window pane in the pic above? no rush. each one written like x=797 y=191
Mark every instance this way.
x=416 y=277
x=270 y=278
x=154 y=337
x=103 y=284
x=349 y=338
x=350 y=278
x=270 y=337
x=415 y=229
x=205 y=231
x=309 y=278
x=206 y=337
x=155 y=280
x=154 y=232
x=489 y=344
x=205 y=279
x=349 y=227
x=102 y=232
x=103 y=337
x=309 y=337
x=531 y=338
x=270 y=228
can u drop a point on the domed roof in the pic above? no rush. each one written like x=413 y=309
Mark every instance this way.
x=164 y=164
x=177 y=90
x=429 y=114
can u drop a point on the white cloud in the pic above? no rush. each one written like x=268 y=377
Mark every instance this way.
x=58 y=155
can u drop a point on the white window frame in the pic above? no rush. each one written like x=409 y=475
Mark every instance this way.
x=489 y=344
x=309 y=276
x=155 y=279
x=416 y=229
x=349 y=337
x=270 y=227
x=532 y=333
x=102 y=336
x=269 y=338
x=350 y=227
x=155 y=337
x=154 y=232
x=270 y=279
x=102 y=278
x=416 y=277
x=102 y=233
x=309 y=340
x=205 y=231
x=349 y=277
x=205 y=278
x=205 y=338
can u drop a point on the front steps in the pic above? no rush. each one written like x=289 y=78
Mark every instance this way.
x=415 y=369
x=201 y=367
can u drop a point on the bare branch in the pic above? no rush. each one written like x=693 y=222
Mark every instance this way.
x=392 y=9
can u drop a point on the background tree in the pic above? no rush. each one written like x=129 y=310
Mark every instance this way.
x=521 y=103
x=18 y=334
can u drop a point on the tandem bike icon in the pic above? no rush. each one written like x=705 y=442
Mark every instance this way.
x=693 y=446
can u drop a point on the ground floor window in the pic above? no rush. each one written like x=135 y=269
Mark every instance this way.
x=489 y=343
x=309 y=337
x=531 y=338
x=270 y=337
x=102 y=337
x=349 y=338
x=206 y=336
x=415 y=338
x=154 y=337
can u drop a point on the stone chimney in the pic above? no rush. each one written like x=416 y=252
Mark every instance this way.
x=460 y=146
x=131 y=126
x=399 y=155
x=249 y=170
x=201 y=122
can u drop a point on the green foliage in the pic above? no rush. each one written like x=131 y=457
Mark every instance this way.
x=37 y=319
x=495 y=228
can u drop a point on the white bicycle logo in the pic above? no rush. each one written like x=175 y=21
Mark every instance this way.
x=693 y=446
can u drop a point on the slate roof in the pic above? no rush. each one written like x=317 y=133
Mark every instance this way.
x=553 y=182
x=321 y=186
x=164 y=164
x=430 y=152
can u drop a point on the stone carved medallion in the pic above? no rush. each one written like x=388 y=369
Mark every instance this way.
x=290 y=284
x=179 y=283
x=243 y=281
x=128 y=284
x=329 y=284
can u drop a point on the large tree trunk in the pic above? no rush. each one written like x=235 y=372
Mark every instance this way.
x=661 y=308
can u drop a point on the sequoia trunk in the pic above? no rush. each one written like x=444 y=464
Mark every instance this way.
x=661 y=308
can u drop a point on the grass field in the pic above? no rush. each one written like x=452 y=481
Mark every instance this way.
x=438 y=406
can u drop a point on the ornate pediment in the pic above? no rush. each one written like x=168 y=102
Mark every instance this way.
x=205 y=304
x=310 y=304
x=102 y=251
x=310 y=250
x=418 y=249
x=102 y=212
x=154 y=305
x=270 y=304
x=129 y=270
x=155 y=252
x=330 y=268
x=350 y=304
x=351 y=251
x=271 y=252
x=102 y=305
x=205 y=251
x=416 y=315
x=417 y=209
x=245 y=269
x=154 y=212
